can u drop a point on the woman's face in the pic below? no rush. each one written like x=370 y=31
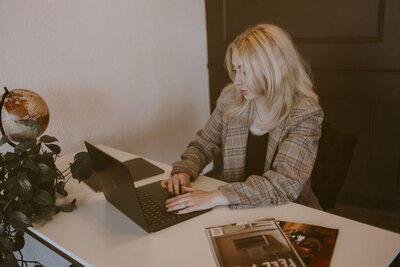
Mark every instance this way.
x=239 y=70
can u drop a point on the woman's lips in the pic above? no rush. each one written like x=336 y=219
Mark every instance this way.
x=243 y=92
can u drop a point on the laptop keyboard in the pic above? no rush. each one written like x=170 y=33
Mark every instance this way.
x=155 y=214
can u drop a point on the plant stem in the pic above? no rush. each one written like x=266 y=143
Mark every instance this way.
x=60 y=175
x=65 y=170
x=41 y=150
x=26 y=262
x=7 y=204
x=8 y=230
x=22 y=258
x=68 y=176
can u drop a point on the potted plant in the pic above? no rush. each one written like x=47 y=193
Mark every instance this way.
x=29 y=184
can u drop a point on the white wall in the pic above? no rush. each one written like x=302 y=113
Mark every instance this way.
x=130 y=74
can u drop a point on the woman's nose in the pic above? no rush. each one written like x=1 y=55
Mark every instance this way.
x=237 y=81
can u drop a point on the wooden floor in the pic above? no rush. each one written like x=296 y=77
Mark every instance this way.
x=389 y=220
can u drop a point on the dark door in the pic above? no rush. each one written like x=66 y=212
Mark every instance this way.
x=353 y=47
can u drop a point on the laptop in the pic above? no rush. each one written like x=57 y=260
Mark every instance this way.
x=143 y=169
x=145 y=205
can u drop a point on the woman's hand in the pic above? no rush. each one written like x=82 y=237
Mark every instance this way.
x=173 y=184
x=194 y=200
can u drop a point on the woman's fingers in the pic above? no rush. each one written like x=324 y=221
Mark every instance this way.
x=185 y=181
x=176 y=187
x=191 y=201
x=195 y=200
x=186 y=189
x=170 y=186
x=178 y=204
x=188 y=209
x=178 y=199
x=174 y=183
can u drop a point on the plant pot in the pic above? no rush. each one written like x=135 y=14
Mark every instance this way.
x=49 y=187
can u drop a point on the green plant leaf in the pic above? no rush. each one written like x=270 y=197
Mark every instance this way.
x=82 y=167
x=45 y=211
x=48 y=139
x=19 y=241
x=29 y=164
x=10 y=261
x=9 y=156
x=46 y=158
x=43 y=198
x=2 y=230
x=10 y=195
x=54 y=148
x=25 y=208
x=12 y=161
x=4 y=139
x=33 y=125
x=67 y=207
x=12 y=184
x=19 y=185
x=19 y=220
x=24 y=186
x=28 y=145
x=82 y=156
x=45 y=173
x=6 y=245
x=14 y=164
x=2 y=186
x=60 y=188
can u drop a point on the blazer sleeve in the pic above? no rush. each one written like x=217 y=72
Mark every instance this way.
x=290 y=169
x=204 y=147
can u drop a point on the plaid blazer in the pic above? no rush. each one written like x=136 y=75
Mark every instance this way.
x=291 y=153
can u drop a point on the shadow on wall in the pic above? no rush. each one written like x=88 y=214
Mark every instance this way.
x=165 y=137
x=77 y=114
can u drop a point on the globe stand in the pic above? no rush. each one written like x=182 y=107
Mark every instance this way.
x=6 y=93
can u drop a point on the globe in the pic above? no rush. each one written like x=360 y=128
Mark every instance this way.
x=19 y=105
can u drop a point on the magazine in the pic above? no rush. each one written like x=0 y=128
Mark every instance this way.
x=313 y=243
x=252 y=244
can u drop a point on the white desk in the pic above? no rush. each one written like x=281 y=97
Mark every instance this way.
x=102 y=236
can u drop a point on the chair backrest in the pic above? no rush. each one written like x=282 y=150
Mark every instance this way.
x=332 y=164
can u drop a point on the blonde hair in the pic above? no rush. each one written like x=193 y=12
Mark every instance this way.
x=273 y=67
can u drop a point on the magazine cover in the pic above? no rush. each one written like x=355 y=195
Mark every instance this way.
x=252 y=244
x=313 y=243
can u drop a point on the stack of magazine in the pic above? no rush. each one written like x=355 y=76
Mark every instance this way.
x=269 y=242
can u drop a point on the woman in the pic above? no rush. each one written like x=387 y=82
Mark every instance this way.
x=266 y=124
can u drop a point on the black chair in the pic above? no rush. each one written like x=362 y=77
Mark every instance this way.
x=332 y=164
x=330 y=169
